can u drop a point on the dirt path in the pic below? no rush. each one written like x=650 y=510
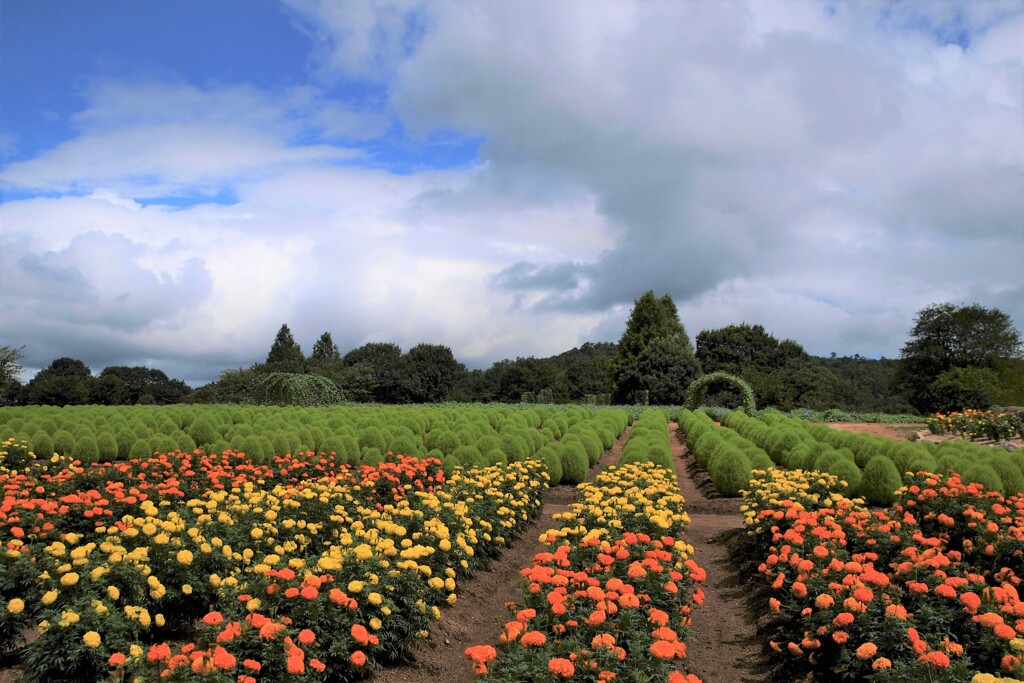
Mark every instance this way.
x=723 y=645
x=480 y=613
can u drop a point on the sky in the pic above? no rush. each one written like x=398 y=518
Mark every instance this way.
x=181 y=177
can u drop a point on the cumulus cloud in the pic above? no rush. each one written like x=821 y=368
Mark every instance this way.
x=823 y=169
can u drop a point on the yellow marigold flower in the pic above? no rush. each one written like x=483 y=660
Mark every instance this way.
x=375 y=599
x=69 y=579
x=144 y=619
x=186 y=589
x=49 y=597
x=92 y=639
x=16 y=606
x=113 y=592
x=376 y=623
x=253 y=605
x=184 y=557
x=356 y=586
x=159 y=620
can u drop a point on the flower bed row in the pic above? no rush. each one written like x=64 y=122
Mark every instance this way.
x=978 y=424
x=926 y=590
x=612 y=594
x=252 y=581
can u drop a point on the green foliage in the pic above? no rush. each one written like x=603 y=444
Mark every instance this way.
x=290 y=389
x=42 y=445
x=984 y=474
x=574 y=463
x=695 y=393
x=325 y=351
x=640 y=363
x=945 y=337
x=285 y=354
x=880 y=481
x=86 y=450
x=10 y=370
x=66 y=381
x=63 y=442
x=730 y=471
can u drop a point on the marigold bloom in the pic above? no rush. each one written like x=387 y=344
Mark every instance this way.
x=213 y=619
x=116 y=659
x=307 y=637
x=533 y=639
x=866 y=651
x=561 y=667
x=358 y=658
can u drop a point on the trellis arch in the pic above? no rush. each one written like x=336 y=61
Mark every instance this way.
x=695 y=392
x=287 y=388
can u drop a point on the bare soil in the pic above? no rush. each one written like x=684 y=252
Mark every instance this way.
x=724 y=645
x=480 y=613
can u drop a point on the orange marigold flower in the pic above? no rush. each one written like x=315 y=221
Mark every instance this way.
x=1005 y=631
x=663 y=649
x=561 y=667
x=360 y=634
x=307 y=637
x=252 y=665
x=358 y=658
x=840 y=637
x=481 y=653
x=295 y=664
x=116 y=659
x=881 y=663
x=213 y=619
x=603 y=640
x=824 y=601
x=843 y=619
x=159 y=653
x=866 y=651
x=935 y=658
x=533 y=639
x=222 y=659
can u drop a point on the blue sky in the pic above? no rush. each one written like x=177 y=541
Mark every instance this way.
x=180 y=178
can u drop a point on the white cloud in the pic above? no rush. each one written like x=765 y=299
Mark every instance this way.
x=823 y=174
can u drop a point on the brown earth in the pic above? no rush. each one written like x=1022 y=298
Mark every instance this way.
x=480 y=613
x=724 y=645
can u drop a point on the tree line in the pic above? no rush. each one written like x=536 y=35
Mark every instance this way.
x=956 y=357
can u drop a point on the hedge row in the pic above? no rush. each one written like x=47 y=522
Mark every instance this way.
x=649 y=441
x=568 y=440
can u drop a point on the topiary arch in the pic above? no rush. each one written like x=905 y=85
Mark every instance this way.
x=292 y=389
x=695 y=392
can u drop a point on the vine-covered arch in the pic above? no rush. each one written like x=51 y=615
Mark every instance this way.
x=695 y=392
x=292 y=389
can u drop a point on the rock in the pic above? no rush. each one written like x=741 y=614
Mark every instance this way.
x=1009 y=446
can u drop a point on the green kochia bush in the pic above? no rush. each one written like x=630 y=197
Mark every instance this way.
x=984 y=474
x=730 y=471
x=574 y=463
x=880 y=481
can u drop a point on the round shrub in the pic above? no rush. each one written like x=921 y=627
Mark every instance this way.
x=730 y=471
x=371 y=437
x=496 y=456
x=86 y=450
x=42 y=445
x=880 y=481
x=435 y=453
x=406 y=445
x=847 y=471
x=107 y=446
x=252 y=446
x=981 y=473
x=1009 y=474
x=63 y=442
x=371 y=456
x=444 y=441
x=203 y=431
x=140 y=448
x=468 y=456
x=512 y=446
x=923 y=461
x=574 y=463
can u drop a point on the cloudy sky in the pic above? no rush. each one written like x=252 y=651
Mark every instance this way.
x=180 y=178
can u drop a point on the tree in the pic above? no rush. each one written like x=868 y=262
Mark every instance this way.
x=285 y=354
x=665 y=369
x=759 y=358
x=374 y=372
x=325 y=351
x=945 y=337
x=10 y=371
x=123 y=385
x=652 y=319
x=66 y=381
x=429 y=373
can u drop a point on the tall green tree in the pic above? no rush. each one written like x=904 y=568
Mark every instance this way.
x=429 y=373
x=638 y=367
x=285 y=353
x=325 y=351
x=945 y=340
x=10 y=371
x=67 y=381
x=373 y=373
x=124 y=385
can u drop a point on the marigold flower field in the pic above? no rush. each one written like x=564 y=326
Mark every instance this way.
x=323 y=565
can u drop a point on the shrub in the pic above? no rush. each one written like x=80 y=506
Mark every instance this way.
x=984 y=474
x=63 y=442
x=106 y=444
x=552 y=458
x=730 y=471
x=847 y=470
x=1009 y=473
x=86 y=450
x=880 y=481
x=42 y=445
x=467 y=456
x=513 y=446
x=574 y=463
x=445 y=441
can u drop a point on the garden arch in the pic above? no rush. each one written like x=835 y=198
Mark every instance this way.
x=695 y=392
